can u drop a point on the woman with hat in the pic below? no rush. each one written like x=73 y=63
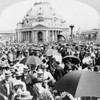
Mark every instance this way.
x=47 y=76
x=44 y=79
x=39 y=84
x=19 y=81
x=18 y=86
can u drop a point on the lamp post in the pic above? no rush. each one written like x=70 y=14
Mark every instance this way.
x=71 y=26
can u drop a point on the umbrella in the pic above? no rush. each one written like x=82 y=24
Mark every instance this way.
x=51 y=52
x=31 y=60
x=72 y=59
x=80 y=83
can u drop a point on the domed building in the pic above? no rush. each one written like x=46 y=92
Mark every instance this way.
x=40 y=25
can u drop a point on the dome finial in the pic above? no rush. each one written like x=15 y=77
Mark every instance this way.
x=41 y=2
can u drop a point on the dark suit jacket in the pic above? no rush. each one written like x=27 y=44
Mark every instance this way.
x=5 y=89
x=59 y=73
x=2 y=90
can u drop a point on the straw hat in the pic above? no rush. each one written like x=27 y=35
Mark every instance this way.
x=25 y=96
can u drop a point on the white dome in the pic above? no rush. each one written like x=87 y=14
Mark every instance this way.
x=41 y=9
x=42 y=13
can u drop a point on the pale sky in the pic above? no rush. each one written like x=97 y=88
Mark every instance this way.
x=74 y=12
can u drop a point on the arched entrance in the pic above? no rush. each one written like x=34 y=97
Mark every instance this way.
x=40 y=36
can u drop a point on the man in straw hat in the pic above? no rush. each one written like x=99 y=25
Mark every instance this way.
x=47 y=76
x=8 y=82
x=25 y=74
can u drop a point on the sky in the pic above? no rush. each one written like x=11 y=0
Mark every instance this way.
x=79 y=14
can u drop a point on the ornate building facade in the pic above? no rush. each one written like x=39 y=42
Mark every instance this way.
x=40 y=25
x=90 y=36
x=7 y=36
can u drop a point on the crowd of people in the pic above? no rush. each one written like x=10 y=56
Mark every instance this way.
x=20 y=81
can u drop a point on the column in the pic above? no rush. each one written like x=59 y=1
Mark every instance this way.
x=23 y=36
x=55 y=36
x=45 y=36
x=48 y=35
x=47 y=39
x=35 y=36
x=52 y=35
x=16 y=36
x=30 y=36
x=71 y=26
x=27 y=36
x=19 y=37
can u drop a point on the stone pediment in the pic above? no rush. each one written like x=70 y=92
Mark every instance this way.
x=39 y=26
